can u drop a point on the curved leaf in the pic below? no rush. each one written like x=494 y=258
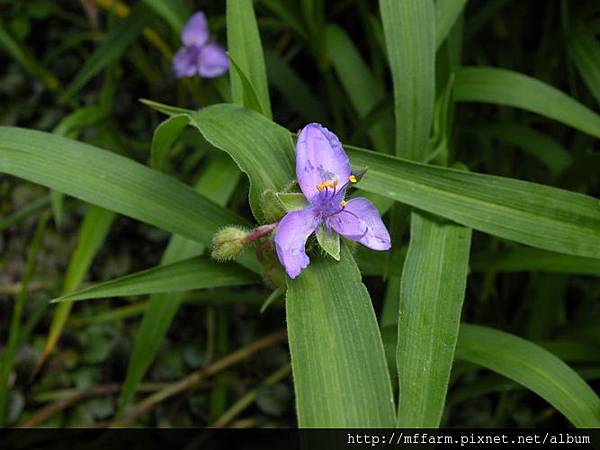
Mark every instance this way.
x=533 y=367
x=193 y=273
x=112 y=182
x=505 y=87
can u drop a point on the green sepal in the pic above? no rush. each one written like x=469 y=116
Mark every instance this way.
x=329 y=242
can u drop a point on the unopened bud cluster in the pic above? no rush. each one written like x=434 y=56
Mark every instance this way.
x=229 y=242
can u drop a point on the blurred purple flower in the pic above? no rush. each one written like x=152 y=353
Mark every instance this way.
x=323 y=173
x=198 y=56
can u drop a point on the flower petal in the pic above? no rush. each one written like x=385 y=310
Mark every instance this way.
x=377 y=236
x=319 y=157
x=185 y=62
x=348 y=225
x=213 y=61
x=290 y=239
x=195 y=31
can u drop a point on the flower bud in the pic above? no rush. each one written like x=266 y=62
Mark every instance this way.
x=229 y=242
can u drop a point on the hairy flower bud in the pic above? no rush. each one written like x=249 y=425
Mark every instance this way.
x=229 y=242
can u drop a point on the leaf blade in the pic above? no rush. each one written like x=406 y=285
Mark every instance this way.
x=345 y=383
x=535 y=368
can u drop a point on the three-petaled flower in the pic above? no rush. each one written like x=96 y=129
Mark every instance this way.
x=199 y=56
x=323 y=173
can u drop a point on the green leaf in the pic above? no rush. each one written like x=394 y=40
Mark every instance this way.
x=193 y=273
x=329 y=241
x=533 y=367
x=446 y=13
x=218 y=181
x=112 y=182
x=431 y=297
x=243 y=43
x=340 y=373
x=175 y=12
x=261 y=150
x=534 y=260
x=110 y=50
x=95 y=226
x=583 y=48
x=361 y=88
x=530 y=213
x=533 y=214
x=164 y=137
x=292 y=201
x=505 y=87
x=537 y=144
x=249 y=97
x=410 y=40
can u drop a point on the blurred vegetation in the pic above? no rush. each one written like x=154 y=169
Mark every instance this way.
x=45 y=51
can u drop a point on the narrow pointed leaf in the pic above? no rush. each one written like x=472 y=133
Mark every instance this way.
x=533 y=367
x=340 y=373
x=194 y=273
x=243 y=44
x=533 y=214
x=446 y=13
x=431 y=297
x=505 y=87
x=410 y=41
x=111 y=181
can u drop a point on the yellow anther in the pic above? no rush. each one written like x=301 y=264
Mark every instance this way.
x=343 y=203
x=352 y=179
x=326 y=184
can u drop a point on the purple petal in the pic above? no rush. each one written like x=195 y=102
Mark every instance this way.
x=377 y=236
x=213 y=61
x=290 y=239
x=195 y=31
x=185 y=62
x=348 y=225
x=319 y=157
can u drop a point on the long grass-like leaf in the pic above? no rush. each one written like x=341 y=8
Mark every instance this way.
x=431 y=298
x=446 y=14
x=194 y=273
x=530 y=213
x=243 y=43
x=111 y=181
x=533 y=367
x=505 y=87
x=410 y=41
x=338 y=362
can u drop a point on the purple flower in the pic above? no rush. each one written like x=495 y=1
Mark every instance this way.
x=323 y=173
x=198 y=56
